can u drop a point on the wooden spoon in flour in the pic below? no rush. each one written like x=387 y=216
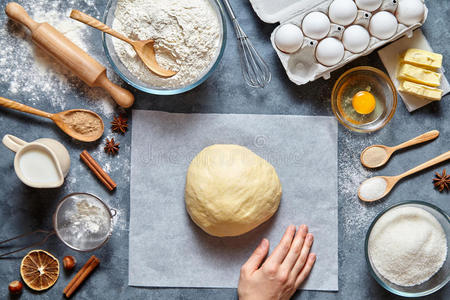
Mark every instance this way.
x=81 y=124
x=144 y=49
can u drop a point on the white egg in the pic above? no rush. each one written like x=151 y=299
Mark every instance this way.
x=329 y=51
x=342 y=12
x=288 y=38
x=383 y=25
x=410 y=12
x=369 y=5
x=316 y=25
x=356 y=38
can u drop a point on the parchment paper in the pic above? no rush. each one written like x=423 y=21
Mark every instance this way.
x=168 y=250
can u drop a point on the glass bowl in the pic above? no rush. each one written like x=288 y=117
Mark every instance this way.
x=438 y=280
x=132 y=80
x=368 y=79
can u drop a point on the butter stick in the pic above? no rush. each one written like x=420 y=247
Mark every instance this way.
x=423 y=58
x=420 y=90
x=419 y=75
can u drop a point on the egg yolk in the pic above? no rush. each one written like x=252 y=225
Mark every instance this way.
x=363 y=102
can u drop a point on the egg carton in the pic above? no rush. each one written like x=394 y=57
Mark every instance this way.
x=302 y=66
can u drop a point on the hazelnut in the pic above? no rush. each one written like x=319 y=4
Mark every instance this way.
x=15 y=287
x=69 y=262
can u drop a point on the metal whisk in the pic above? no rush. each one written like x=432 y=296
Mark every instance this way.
x=254 y=69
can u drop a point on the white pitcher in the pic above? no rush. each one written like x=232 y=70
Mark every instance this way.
x=43 y=163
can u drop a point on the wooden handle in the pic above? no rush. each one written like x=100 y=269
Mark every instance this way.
x=57 y=45
x=431 y=162
x=22 y=107
x=66 y=52
x=430 y=135
x=18 y=14
x=93 y=22
x=122 y=96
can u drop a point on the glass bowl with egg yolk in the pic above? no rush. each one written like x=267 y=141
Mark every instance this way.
x=364 y=99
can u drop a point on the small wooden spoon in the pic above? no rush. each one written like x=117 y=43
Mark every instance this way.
x=376 y=156
x=391 y=181
x=59 y=119
x=144 y=49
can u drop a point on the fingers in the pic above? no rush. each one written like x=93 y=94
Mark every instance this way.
x=306 y=270
x=283 y=247
x=296 y=248
x=301 y=260
x=257 y=257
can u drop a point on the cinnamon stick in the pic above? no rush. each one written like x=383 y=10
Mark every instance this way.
x=97 y=170
x=79 y=278
x=82 y=270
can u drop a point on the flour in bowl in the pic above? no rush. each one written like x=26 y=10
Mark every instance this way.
x=186 y=34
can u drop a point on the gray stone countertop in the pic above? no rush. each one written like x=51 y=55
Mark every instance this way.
x=28 y=76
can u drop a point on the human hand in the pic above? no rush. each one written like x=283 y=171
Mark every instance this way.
x=283 y=271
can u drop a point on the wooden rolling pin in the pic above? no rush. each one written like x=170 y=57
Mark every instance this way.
x=57 y=45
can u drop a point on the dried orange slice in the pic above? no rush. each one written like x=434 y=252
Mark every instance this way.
x=39 y=270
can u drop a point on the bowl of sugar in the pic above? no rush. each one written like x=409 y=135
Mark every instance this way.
x=189 y=38
x=406 y=249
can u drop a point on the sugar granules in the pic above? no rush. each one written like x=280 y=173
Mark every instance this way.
x=373 y=188
x=407 y=245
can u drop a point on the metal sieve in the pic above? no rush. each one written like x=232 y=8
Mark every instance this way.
x=81 y=221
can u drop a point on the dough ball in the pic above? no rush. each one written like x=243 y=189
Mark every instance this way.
x=230 y=190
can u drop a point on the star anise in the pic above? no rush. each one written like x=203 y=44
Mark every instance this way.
x=442 y=181
x=119 y=124
x=111 y=147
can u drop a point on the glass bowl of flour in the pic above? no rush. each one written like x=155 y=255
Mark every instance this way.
x=189 y=35
x=406 y=249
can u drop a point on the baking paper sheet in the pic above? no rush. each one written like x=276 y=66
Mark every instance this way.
x=168 y=250
x=390 y=56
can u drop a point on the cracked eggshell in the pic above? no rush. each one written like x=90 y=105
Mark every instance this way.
x=410 y=12
x=316 y=25
x=383 y=25
x=342 y=12
x=369 y=5
x=288 y=38
x=329 y=51
x=356 y=38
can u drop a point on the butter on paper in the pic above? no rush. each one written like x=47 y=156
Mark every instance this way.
x=390 y=56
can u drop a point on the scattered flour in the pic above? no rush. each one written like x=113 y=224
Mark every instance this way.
x=407 y=245
x=186 y=34
x=89 y=218
x=357 y=215
x=33 y=76
x=83 y=223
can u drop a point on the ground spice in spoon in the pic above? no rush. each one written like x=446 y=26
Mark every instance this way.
x=374 y=156
x=83 y=123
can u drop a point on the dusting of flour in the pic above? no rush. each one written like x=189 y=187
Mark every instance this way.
x=358 y=214
x=186 y=34
x=33 y=77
